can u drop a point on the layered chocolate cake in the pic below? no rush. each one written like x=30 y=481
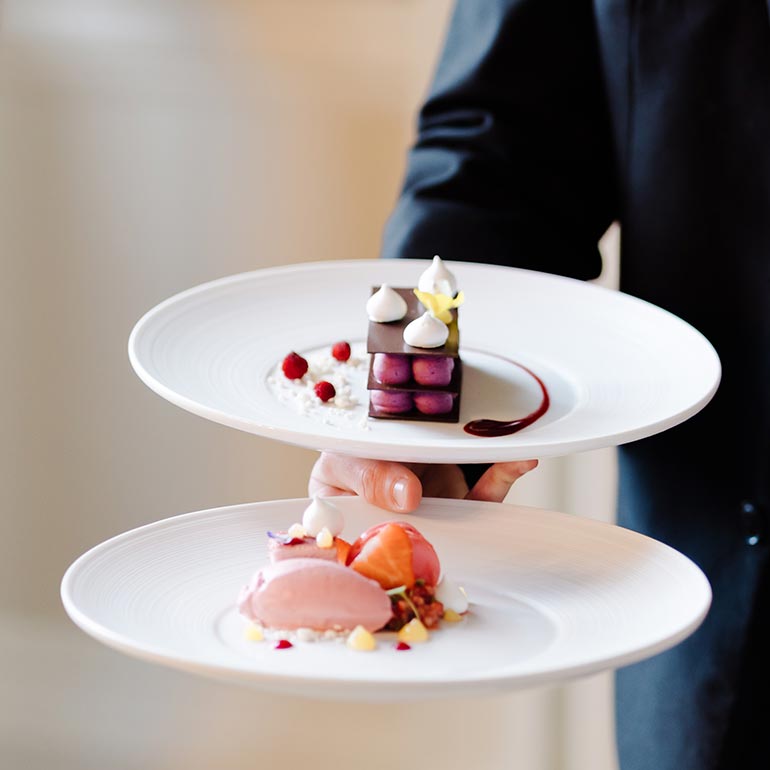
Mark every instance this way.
x=415 y=371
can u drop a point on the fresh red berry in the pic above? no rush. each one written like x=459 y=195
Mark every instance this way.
x=341 y=351
x=324 y=390
x=294 y=366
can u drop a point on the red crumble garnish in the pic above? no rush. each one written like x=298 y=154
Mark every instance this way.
x=324 y=390
x=403 y=646
x=341 y=351
x=423 y=599
x=294 y=366
x=283 y=644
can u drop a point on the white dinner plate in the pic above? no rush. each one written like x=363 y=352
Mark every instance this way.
x=617 y=369
x=552 y=596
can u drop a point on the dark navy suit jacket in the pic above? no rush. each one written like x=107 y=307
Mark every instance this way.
x=546 y=121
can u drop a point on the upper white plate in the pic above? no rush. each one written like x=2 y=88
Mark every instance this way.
x=617 y=368
x=552 y=596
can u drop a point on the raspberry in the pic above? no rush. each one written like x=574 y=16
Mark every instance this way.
x=324 y=390
x=294 y=366
x=341 y=351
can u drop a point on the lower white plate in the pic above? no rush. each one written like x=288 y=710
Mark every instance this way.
x=552 y=597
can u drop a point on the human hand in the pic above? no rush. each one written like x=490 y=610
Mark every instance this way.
x=400 y=487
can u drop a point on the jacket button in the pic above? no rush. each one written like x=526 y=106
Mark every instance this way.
x=753 y=523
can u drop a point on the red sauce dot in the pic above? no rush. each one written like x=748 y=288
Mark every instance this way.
x=283 y=644
x=403 y=646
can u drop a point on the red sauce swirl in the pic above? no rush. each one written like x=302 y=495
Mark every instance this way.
x=489 y=428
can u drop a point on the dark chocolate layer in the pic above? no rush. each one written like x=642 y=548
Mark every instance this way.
x=389 y=337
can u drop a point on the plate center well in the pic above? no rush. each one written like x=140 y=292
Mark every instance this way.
x=494 y=386
x=499 y=633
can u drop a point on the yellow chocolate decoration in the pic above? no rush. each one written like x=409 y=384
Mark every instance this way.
x=439 y=305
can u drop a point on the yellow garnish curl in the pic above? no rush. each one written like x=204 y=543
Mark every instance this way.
x=439 y=305
x=452 y=617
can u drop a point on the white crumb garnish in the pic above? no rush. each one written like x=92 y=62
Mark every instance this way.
x=303 y=635
x=350 y=403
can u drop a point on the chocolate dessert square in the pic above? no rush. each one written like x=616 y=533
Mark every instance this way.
x=389 y=337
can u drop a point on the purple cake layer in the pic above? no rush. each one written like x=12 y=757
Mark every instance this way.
x=411 y=385
x=425 y=399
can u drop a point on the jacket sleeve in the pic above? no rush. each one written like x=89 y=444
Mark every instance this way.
x=513 y=160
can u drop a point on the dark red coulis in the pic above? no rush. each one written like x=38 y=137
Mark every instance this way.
x=489 y=428
x=403 y=646
x=283 y=644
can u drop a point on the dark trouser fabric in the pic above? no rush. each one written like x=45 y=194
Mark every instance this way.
x=705 y=704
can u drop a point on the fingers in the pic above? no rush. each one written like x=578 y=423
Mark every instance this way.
x=495 y=484
x=315 y=487
x=385 y=484
x=443 y=481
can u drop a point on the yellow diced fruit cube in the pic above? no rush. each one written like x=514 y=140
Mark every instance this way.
x=254 y=633
x=413 y=632
x=452 y=617
x=360 y=639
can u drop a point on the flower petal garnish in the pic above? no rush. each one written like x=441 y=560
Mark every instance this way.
x=439 y=305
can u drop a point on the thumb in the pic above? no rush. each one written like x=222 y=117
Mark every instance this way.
x=385 y=484
x=495 y=484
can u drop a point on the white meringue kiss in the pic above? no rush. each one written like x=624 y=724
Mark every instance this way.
x=451 y=596
x=437 y=279
x=385 y=305
x=426 y=332
x=320 y=514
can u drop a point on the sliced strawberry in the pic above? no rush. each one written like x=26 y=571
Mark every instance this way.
x=385 y=557
x=425 y=563
x=343 y=549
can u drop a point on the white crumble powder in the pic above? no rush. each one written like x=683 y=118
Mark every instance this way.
x=350 y=405
x=304 y=635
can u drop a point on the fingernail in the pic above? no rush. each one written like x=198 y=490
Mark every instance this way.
x=399 y=493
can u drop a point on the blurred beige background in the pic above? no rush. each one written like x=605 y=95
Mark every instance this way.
x=147 y=146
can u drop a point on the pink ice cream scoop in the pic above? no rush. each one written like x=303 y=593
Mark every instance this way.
x=391 y=401
x=391 y=368
x=307 y=549
x=433 y=370
x=433 y=403
x=314 y=593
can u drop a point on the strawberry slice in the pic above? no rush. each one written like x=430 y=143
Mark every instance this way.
x=386 y=557
x=343 y=549
x=425 y=563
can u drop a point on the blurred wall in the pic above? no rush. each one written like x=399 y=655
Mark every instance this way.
x=147 y=146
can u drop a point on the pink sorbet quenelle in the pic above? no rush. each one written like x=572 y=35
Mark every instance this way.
x=314 y=593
